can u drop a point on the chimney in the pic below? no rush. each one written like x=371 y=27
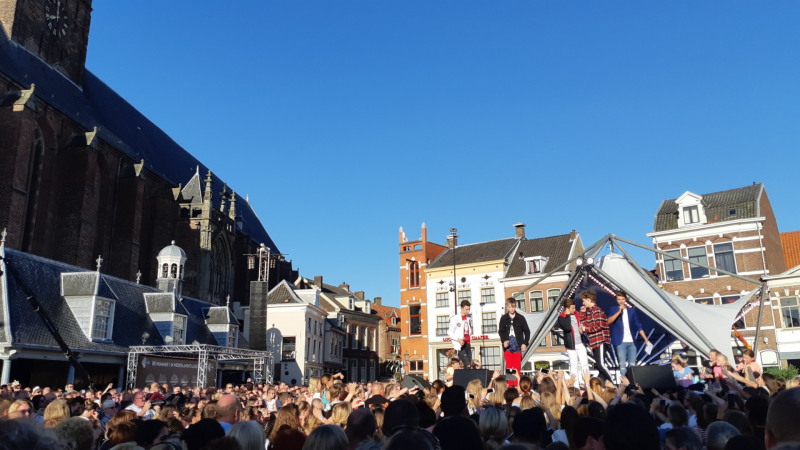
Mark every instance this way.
x=318 y=281
x=520 y=230
x=452 y=241
x=572 y=235
x=345 y=286
x=377 y=301
x=402 y=236
x=424 y=232
x=359 y=295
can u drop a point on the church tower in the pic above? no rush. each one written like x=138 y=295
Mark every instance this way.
x=57 y=31
x=170 y=269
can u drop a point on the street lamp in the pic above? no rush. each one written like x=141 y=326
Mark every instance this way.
x=407 y=368
x=453 y=237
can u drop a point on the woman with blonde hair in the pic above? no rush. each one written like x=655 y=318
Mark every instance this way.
x=315 y=418
x=498 y=397
x=304 y=411
x=549 y=402
x=596 y=384
x=493 y=426
x=679 y=369
x=378 y=412
x=315 y=387
x=475 y=393
x=609 y=394
x=341 y=411
x=526 y=402
x=55 y=413
x=327 y=437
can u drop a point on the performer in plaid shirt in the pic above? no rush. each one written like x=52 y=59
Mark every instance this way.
x=596 y=323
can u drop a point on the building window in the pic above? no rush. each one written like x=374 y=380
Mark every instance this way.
x=552 y=297
x=308 y=328
x=698 y=255
x=416 y=366
x=691 y=215
x=346 y=343
x=487 y=295
x=344 y=366
x=395 y=346
x=535 y=264
x=464 y=295
x=308 y=346
x=521 y=303
x=490 y=358
x=371 y=370
x=544 y=342
x=442 y=325
x=363 y=371
x=673 y=267
x=103 y=310
x=415 y=324
x=723 y=257
x=441 y=363
x=413 y=275
x=442 y=300
x=489 y=321
x=704 y=301
x=365 y=337
x=288 y=349
x=790 y=312
x=179 y=330
x=556 y=339
x=164 y=271
x=537 y=301
x=394 y=321
x=356 y=337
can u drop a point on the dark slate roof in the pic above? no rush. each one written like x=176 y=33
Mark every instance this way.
x=475 y=253
x=43 y=277
x=281 y=294
x=192 y=192
x=556 y=248
x=160 y=302
x=221 y=315
x=119 y=124
x=717 y=205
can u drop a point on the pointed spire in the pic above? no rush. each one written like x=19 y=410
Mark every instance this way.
x=99 y=262
x=138 y=276
x=232 y=212
x=228 y=302
x=207 y=193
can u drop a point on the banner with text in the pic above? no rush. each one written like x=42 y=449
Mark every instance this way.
x=173 y=371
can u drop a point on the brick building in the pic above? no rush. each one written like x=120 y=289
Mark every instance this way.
x=734 y=230
x=791 y=248
x=83 y=173
x=414 y=259
x=389 y=342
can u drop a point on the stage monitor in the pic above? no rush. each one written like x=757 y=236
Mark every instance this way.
x=462 y=377
x=411 y=381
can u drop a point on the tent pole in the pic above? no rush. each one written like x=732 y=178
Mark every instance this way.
x=680 y=258
x=559 y=268
x=648 y=278
x=764 y=299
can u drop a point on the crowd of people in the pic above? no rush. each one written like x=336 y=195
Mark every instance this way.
x=720 y=407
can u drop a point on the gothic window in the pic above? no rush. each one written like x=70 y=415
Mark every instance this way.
x=220 y=269
x=34 y=180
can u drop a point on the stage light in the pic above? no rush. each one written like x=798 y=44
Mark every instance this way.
x=579 y=261
x=590 y=260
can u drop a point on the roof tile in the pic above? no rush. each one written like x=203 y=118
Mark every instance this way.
x=791 y=248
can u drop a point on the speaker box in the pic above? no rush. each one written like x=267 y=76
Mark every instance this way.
x=659 y=378
x=462 y=377
x=411 y=381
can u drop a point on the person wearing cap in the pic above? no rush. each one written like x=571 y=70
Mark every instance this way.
x=109 y=411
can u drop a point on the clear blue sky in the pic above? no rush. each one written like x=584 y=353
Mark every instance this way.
x=345 y=120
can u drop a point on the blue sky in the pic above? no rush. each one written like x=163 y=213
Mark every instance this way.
x=345 y=120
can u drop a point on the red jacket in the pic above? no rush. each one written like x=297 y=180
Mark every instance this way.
x=596 y=323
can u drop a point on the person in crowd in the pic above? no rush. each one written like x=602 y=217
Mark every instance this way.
x=588 y=434
x=683 y=438
x=400 y=413
x=781 y=423
x=142 y=408
x=595 y=322
x=458 y=433
x=76 y=431
x=228 y=410
x=514 y=334
x=493 y=427
x=459 y=331
x=361 y=426
x=249 y=434
x=21 y=409
x=679 y=369
x=412 y=438
x=530 y=429
x=718 y=434
x=625 y=325
x=630 y=427
x=569 y=417
x=377 y=397
x=55 y=413
x=327 y=437
x=748 y=362
x=570 y=324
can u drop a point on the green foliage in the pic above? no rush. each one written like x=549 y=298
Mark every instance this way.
x=787 y=374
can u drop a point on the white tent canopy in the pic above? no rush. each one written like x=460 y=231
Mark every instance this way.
x=702 y=327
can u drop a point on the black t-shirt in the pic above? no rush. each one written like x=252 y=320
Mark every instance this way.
x=377 y=400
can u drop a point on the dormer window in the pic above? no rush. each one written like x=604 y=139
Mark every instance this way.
x=232 y=337
x=690 y=215
x=103 y=318
x=535 y=264
x=179 y=330
x=352 y=304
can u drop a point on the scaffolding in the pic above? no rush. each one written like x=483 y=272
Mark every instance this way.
x=262 y=361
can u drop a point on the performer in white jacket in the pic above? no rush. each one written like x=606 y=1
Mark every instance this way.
x=459 y=333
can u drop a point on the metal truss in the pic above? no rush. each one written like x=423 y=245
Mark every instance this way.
x=262 y=361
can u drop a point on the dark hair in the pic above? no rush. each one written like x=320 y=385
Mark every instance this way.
x=742 y=442
x=147 y=431
x=427 y=416
x=458 y=433
x=569 y=419
x=223 y=443
x=197 y=435
x=585 y=427
x=530 y=426
x=465 y=303
x=740 y=421
x=756 y=408
x=620 y=294
x=596 y=409
x=591 y=295
x=400 y=412
x=453 y=401
x=630 y=427
x=685 y=437
x=416 y=438
x=678 y=415
x=569 y=302
x=511 y=301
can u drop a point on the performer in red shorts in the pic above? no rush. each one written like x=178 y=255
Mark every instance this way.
x=514 y=334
